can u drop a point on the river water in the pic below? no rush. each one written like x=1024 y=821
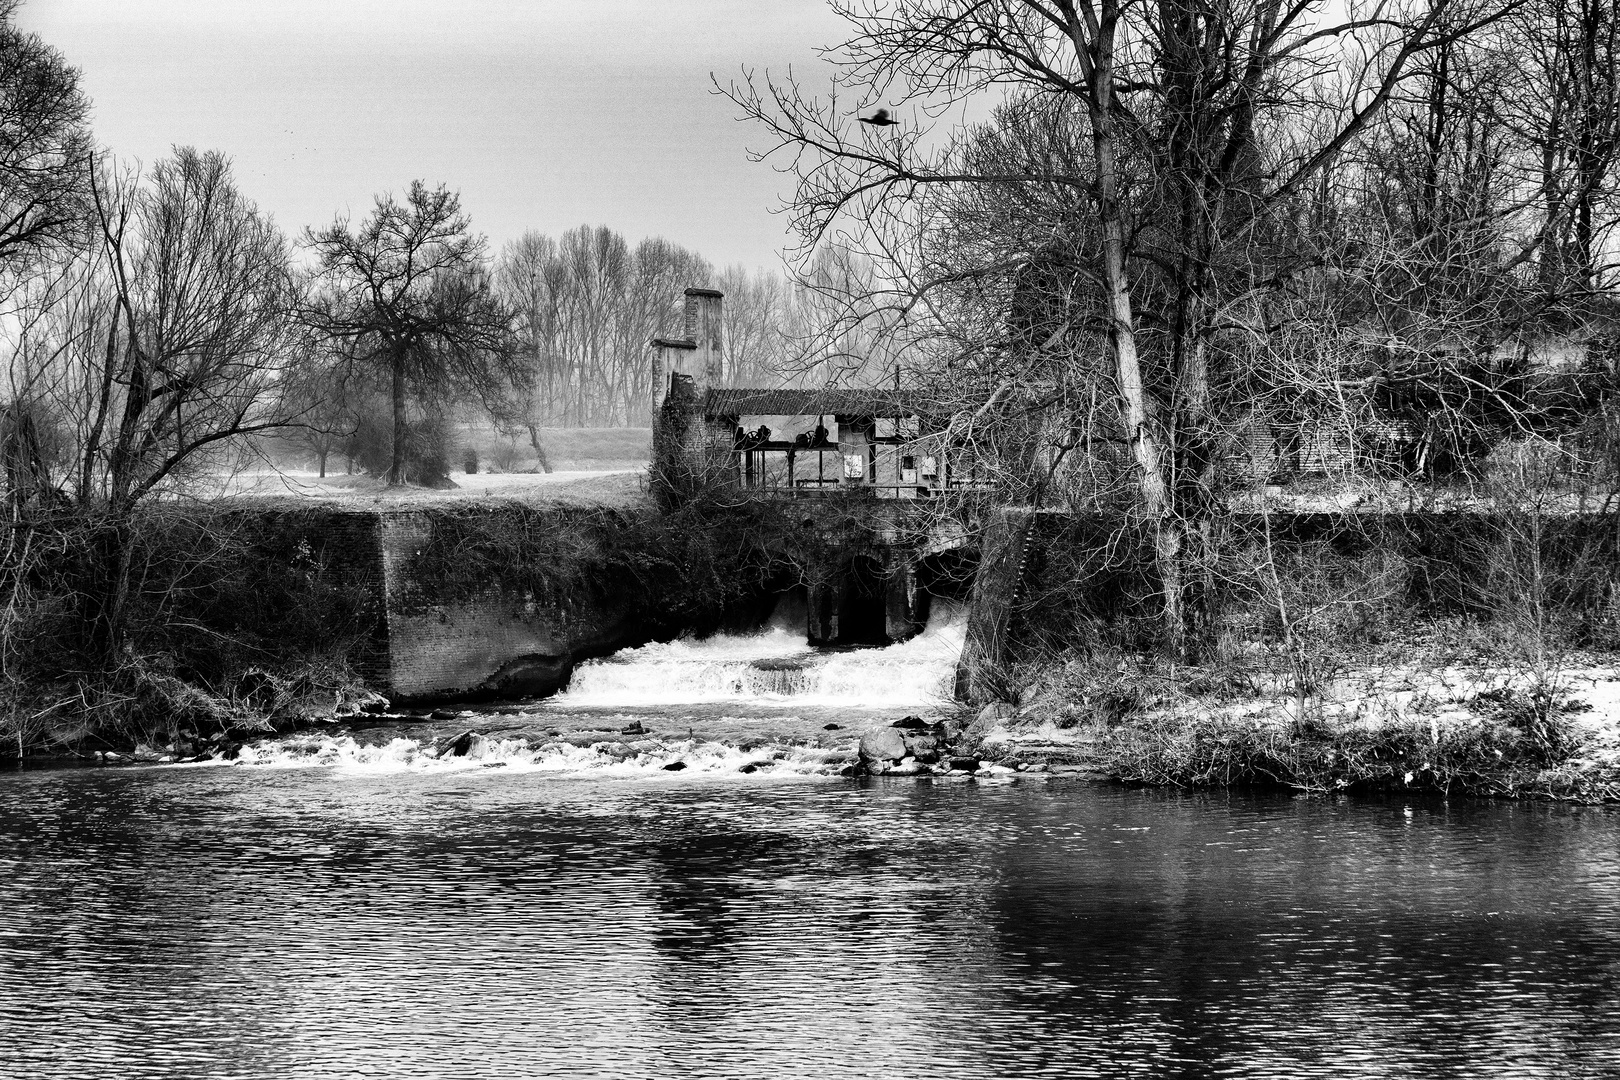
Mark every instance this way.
x=354 y=911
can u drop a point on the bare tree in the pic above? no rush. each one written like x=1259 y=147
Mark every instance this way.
x=45 y=149
x=156 y=348
x=586 y=306
x=326 y=394
x=1565 y=104
x=408 y=293
x=1204 y=127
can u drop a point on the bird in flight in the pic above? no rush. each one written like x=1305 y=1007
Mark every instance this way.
x=878 y=119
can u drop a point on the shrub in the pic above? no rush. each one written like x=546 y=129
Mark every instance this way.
x=427 y=449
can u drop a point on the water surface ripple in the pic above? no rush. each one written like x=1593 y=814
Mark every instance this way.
x=240 y=922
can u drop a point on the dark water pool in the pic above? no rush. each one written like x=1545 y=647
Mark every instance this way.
x=238 y=922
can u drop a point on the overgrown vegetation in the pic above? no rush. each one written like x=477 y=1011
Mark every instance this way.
x=696 y=567
x=1420 y=650
x=232 y=620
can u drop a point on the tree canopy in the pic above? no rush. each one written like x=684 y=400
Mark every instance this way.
x=408 y=295
x=45 y=148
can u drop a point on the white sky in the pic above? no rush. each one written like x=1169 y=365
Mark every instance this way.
x=544 y=114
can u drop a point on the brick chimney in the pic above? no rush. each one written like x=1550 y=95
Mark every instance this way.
x=703 y=329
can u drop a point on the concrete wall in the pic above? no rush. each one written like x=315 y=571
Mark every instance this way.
x=498 y=643
x=427 y=639
x=996 y=587
x=413 y=643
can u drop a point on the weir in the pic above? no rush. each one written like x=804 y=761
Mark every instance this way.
x=776 y=664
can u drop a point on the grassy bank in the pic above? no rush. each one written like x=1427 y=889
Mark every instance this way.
x=1417 y=716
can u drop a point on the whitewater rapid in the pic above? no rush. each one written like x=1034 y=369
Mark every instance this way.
x=776 y=667
x=608 y=758
x=759 y=704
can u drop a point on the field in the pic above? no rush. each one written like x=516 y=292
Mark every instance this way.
x=570 y=449
x=591 y=466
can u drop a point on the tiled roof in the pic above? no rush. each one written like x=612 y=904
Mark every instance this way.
x=874 y=403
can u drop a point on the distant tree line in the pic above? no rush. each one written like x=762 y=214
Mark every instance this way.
x=587 y=303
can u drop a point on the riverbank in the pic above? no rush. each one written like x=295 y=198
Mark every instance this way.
x=1405 y=721
x=1417 y=723
x=1413 y=741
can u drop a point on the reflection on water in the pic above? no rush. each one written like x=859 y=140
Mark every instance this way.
x=257 y=923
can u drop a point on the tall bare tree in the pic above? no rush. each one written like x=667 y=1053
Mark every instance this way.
x=586 y=306
x=1205 y=125
x=155 y=349
x=45 y=148
x=408 y=294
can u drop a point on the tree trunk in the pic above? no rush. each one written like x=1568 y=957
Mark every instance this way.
x=321 y=456
x=110 y=591
x=539 y=451
x=1133 y=403
x=1196 y=448
x=396 y=467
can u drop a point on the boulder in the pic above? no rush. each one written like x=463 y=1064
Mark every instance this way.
x=617 y=751
x=456 y=745
x=995 y=711
x=884 y=744
x=906 y=767
x=912 y=723
x=675 y=766
x=919 y=744
x=375 y=706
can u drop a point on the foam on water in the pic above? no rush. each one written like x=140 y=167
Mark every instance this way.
x=776 y=666
x=645 y=758
x=773 y=670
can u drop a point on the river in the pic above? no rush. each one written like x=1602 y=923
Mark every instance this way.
x=354 y=911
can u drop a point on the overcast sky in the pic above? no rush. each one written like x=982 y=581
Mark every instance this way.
x=544 y=114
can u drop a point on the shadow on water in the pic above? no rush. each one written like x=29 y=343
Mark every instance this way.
x=254 y=922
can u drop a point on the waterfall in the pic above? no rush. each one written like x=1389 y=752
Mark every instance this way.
x=775 y=665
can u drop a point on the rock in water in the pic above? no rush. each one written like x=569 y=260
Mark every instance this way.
x=830 y=727
x=965 y=764
x=456 y=745
x=884 y=744
x=918 y=745
x=675 y=766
